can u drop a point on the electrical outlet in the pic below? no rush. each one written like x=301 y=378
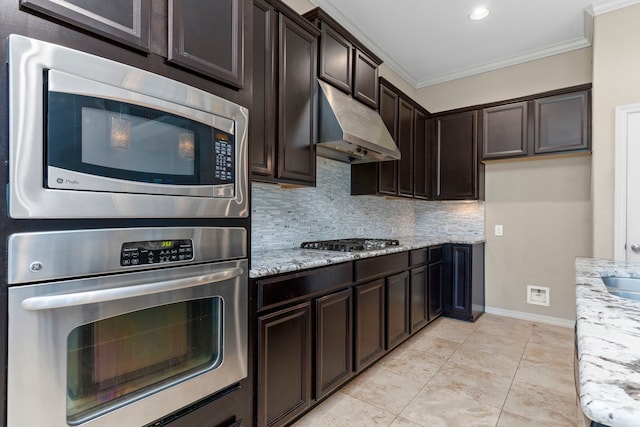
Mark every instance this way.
x=499 y=230
x=538 y=295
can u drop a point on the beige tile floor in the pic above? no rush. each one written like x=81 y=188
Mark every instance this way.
x=497 y=371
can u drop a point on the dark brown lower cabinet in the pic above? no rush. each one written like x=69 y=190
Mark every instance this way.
x=435 y=271
x=464 y=298
x=318 y=328
x=419 y=298
x=397 y=309
x=334 y=341
x=370 y=323
x=284 y=364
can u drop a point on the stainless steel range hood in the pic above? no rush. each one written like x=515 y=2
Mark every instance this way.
x=351 y=132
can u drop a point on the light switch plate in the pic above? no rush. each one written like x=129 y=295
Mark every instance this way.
x=499 y=230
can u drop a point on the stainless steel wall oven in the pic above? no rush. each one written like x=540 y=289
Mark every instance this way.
x=103 y=333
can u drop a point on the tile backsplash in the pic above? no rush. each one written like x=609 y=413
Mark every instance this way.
x=283 y=218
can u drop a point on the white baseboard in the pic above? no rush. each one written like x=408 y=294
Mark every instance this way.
x=539 y=318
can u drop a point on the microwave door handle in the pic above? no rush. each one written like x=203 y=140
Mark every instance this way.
x=89 y=297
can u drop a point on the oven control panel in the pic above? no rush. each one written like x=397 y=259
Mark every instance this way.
x=155 y=252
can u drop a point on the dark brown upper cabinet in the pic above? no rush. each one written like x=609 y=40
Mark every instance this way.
x=405 y=145
x=204 y=38
x=562 y=123
x=457 y=166
x=123 y=21
x=207 y=37
x=282 y=133
x=387 y=171
x=552 y=123
x=336 y=65
x=411 y=175
x=365 y=81
x=262 y=135
x=422 y=157
x=344 y=62
x=504 y=130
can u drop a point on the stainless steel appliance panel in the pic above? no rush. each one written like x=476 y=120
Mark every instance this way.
x=35 y=257
x=28 y=198
x=41 y=317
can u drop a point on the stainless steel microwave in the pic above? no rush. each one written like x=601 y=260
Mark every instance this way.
x=93 y=138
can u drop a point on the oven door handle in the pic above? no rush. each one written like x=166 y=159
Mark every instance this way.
x=89 y=297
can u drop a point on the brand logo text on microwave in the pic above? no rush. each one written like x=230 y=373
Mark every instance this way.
x=67 y=181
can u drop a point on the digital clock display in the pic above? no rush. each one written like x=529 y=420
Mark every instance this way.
x=155 y=251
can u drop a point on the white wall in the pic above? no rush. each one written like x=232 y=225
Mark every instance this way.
x=545 y=208
x=544 y=205
x=554 y=72
x=616 y=81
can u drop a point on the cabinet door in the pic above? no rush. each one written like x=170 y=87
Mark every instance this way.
x=297 y=89
x=505 y=131
x=124 y=21
x=457 y=156
x=334 y=341
x=262 y=135
x=405 y=145
x=421 y=157
x=397 y=309
x=335 y=59
x=284 y=364
x=388 y=171
x=207 y=37
x=419 y=298
x=370 y=323
x=436 y=282
x=562 y=123
x=365 y=80
x=458 y=300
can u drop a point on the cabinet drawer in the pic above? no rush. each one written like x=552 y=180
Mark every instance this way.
x=277 y=291
x=370 y=268
x=436 y=253
x=418 y=256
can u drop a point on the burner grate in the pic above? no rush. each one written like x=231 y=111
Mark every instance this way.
x=348 y=245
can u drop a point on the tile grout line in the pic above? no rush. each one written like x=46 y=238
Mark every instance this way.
x=435 y=373
x=513 y=378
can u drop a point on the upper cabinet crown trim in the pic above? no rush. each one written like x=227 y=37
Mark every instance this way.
x=321 y=15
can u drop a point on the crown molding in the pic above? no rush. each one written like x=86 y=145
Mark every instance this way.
x=596 y=8
x=605 y=6
x=507 y=62
x=366 y=40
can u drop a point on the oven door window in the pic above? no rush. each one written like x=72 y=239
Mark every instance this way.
x=133 y=143
x=116 y=360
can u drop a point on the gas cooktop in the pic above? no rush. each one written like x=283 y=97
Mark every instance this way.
x=348 y=245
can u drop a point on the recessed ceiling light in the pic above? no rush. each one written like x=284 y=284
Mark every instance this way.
x=479 y=13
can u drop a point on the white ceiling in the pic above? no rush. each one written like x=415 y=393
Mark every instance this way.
x=432 y=41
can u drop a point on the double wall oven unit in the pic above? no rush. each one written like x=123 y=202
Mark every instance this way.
x=111 y=324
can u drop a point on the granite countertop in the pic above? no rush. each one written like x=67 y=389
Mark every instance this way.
x=608 y=336
x=276 y=261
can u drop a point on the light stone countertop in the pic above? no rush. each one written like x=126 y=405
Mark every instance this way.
x=608 y=336
x=276 y=261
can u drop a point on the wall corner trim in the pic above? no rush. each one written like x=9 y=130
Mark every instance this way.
x=539 y=318
x=605 y=6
